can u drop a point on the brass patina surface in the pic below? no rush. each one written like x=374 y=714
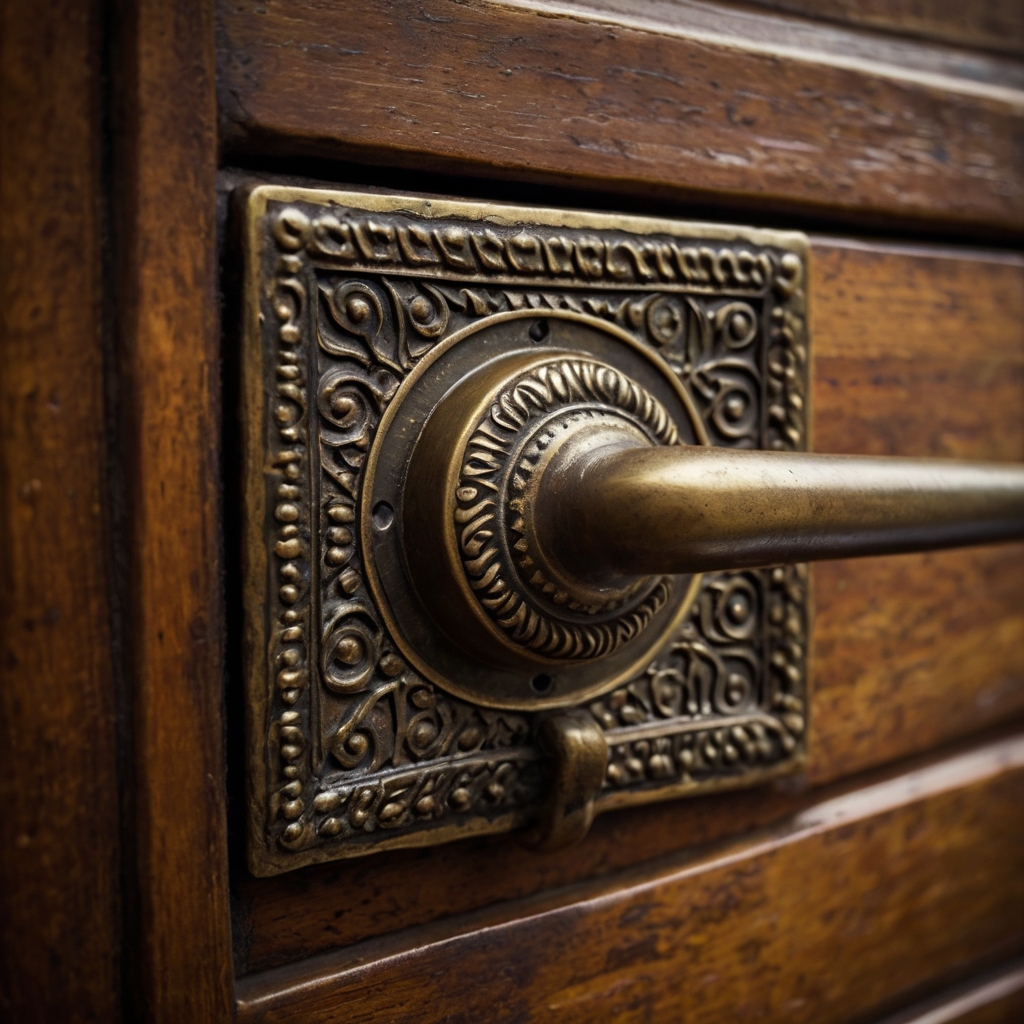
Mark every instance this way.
x=467 y=601
x=422 y=665
x=574 y=742
x=629 y=508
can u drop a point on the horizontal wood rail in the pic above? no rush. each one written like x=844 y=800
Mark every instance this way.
x=683 y=937
x=675 y=101
x=990 y=998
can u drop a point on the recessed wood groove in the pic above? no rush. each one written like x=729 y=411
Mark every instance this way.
x=672 y=906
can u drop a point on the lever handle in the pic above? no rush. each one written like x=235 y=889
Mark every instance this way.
x=549 y=509
x=639 y=509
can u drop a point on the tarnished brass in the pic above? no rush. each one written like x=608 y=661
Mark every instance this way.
x=622 y=508
x=460 y=578
x=483 y=449
x=577 y=754
x=421 y=663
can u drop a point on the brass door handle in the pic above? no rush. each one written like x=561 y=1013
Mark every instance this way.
x=511 y=557
x=549 y=501
x=694 y=509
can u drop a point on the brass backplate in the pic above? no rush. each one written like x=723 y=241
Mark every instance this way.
x=353 y=749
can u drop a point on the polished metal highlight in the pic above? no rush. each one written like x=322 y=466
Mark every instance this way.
x=630 y=508
x=575 y=746
x=460 y=573
x=421 y=663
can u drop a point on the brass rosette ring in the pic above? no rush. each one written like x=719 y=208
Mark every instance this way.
x=475 y=596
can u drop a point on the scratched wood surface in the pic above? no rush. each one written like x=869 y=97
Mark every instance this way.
x=920 y=351
x=60 y=894
x=988 y=24
x=856 y=901
x=629 y=97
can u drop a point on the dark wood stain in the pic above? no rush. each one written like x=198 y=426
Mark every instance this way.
x=60 y=899
x=512 y=91
x=167 y=324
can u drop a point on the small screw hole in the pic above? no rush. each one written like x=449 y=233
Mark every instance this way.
x=541 y=683
x=383 y=515
x=540 y=330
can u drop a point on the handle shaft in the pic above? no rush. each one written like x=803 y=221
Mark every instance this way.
x=694 y=509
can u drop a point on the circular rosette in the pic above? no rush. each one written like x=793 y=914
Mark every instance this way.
x=736 y=324
x=536 y=606
x=733 y=409
x=666 y=321
x=478 y=600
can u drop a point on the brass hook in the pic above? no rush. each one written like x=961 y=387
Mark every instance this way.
x=575 y=747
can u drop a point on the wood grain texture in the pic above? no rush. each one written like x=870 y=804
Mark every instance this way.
x=60 y=933
x=913 y=650
x=907 y=652
x=988 y=24
x=824 y=38
x=164 y=186
x=996 y=997
x=919 y=351
x=602 y=99
x=804 y=922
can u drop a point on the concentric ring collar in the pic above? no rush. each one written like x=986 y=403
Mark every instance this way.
x=478 y=595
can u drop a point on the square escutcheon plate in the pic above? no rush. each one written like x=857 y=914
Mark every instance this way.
x=357 y=306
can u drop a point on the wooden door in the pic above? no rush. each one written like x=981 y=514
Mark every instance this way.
x=884 y=882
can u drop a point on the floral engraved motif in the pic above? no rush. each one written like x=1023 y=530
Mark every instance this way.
x=360 y=750
x=504 y=577
x=724 y=696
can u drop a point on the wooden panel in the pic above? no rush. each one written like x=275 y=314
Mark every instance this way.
x=165 y=174
x=60 y=851
x=616 y=99
x=911 y=651
x=921 y=870
x=919 y=351
x=900 y=659
x=994 y=998
x=991 y=24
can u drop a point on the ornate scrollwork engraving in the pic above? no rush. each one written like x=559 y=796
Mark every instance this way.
x=401 y=242
x=355 y=750
x=505 y=578
x=699 y=709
